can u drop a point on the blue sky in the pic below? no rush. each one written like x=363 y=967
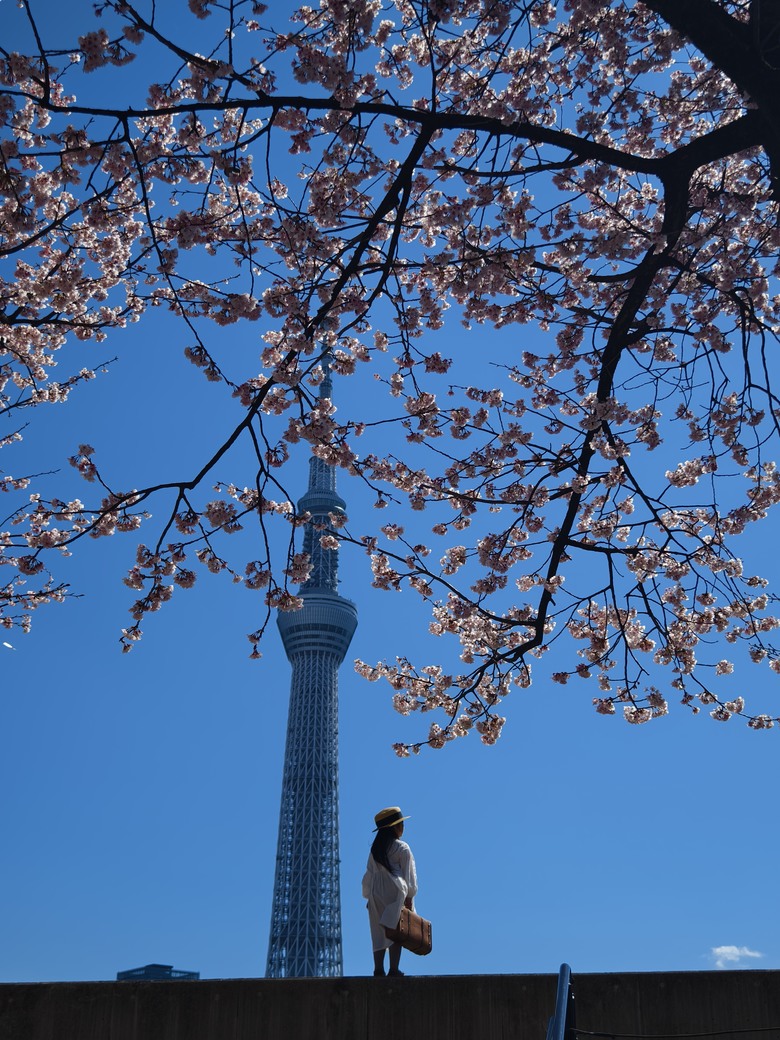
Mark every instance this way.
x=141 y=795
x=140 y=792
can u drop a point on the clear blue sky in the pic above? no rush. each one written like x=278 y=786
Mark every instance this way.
x=140 y=792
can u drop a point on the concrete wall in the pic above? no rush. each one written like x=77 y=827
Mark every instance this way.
x=503 y=1007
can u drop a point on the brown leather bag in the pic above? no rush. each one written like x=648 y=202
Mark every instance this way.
x=413 y=933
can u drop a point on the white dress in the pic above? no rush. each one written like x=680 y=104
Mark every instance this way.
x=386 y=891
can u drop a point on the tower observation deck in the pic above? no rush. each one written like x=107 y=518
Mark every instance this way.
x=305 y=938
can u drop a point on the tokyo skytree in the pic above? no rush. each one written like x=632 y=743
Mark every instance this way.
x=305 y=936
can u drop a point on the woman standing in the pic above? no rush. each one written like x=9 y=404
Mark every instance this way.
x=389 y=884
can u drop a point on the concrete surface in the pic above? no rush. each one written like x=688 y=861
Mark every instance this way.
x=737 y=1005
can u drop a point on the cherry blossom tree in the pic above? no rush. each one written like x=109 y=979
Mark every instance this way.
x=584 y=195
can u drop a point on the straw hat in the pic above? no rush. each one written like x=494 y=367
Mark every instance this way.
x=388 y=818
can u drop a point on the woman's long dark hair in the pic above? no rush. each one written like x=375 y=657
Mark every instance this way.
x=385 y=837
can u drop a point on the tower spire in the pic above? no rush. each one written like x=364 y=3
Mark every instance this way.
x=305 y=936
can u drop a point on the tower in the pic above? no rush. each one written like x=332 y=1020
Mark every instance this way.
x=305 y=936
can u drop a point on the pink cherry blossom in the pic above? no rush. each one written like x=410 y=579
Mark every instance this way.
x=581 y=197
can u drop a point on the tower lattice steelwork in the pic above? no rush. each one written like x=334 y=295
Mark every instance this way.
x=306 y=916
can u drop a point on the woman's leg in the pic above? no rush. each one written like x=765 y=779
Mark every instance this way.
x=379 y=962
x=395 y=957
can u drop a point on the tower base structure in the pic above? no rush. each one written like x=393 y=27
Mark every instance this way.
x=305 y=939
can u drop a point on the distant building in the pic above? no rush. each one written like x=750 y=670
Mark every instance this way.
x=155 y=971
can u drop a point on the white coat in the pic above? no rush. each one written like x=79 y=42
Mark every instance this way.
x=386 y=891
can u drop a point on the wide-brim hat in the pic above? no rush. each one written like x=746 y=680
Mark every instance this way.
x=389 y=818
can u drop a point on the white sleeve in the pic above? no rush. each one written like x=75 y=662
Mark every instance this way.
x=408 y=869
x=368 y=877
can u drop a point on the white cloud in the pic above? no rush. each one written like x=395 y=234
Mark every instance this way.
x=730 y=956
